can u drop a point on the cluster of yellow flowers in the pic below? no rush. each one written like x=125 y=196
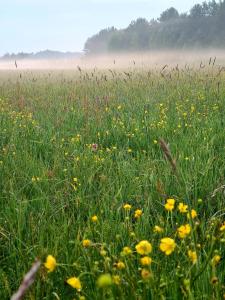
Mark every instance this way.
x=143 y=250
x=138 y=212
x=182 y=207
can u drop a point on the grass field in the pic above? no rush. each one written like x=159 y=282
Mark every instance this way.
x=88 y=161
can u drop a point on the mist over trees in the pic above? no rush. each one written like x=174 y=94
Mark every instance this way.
x=202 y=26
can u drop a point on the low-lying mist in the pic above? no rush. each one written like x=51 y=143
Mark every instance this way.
x=153 y=59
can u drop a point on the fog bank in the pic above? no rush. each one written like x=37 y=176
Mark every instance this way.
x=153 y=59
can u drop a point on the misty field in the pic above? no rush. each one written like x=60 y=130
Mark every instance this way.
x=115 y=181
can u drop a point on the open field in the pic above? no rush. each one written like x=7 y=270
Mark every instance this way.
x=86 y=174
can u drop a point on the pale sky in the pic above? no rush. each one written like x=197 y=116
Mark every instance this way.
x=34 y=25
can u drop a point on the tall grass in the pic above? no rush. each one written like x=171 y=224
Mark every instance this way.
x=74 y=145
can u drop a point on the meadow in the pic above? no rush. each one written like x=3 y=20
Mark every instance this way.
x=115 y=181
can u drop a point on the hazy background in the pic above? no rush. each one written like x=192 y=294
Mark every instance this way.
x=112 y=33
x=34 y=25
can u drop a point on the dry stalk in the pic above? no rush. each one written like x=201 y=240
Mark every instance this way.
x=27 y=281
x=168 y=155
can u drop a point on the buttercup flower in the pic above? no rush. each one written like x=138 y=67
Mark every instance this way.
x=126 y=251
x=193 y=214
x=50 y=263
x=167 y=245
x=170 y=204
x=86 y=243
x=215 y=260
x=127 y=206
x=120 y=265
x=158 y=229
x=222 y=227
x=94 y=219
x=116 y=279
x=184 y=231
x=144 y=248
x=146 y=261
x=192 y=256
x=182 y=208
x=138 y=213
x=75 y=283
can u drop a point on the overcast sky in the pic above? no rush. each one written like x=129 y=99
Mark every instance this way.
x=33 y=25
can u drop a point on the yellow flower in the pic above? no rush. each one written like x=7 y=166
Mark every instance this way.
x=104 y=280
x=120 y=265
x=192 y=256
x=184 y=231
x=116 y=279
x=215 y=260
x=145 y=274
x=94 y=219
x=182 y=208
x=167 y=245
x=146 y=261
x=75 y=283
x=126 y=251
x=170 y=204
x=222 y=227
x=158 y=229
x=127 y=206
x=50 y=263
x=138 y=213
x=193 y=214
x=144 y=248
x=86 y=243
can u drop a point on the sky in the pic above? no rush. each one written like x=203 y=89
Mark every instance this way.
x=65 y=25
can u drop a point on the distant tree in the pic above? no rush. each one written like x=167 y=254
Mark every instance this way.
x=168 y=15
x=197 y=11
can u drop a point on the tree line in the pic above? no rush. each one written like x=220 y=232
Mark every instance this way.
x=202 y=26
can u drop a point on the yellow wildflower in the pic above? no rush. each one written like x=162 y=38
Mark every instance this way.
x=104 y=280
x=193 y=214
x=127 y=206
x=50 y=263
x=86 y=243
x=215 y=260
x=94 y=219
x=126 y=251
x=170 y=204
x=222 y=227
x=158 y=229
x=138 y=213
x=182 y=208
x=184 y=231
x=116 y=279
x=120 y=265
x=143 y=248
x=192 y=256
x=75 y=283
x=146 y=261
x=167 y=245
